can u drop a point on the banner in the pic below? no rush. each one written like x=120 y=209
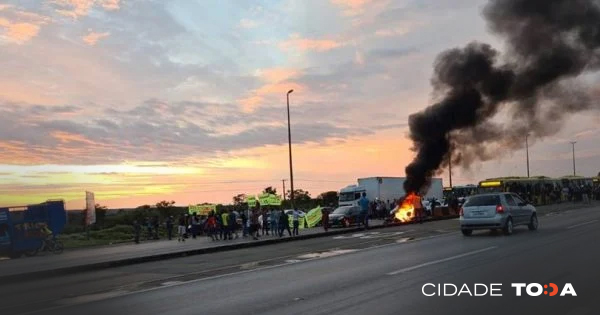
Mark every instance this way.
x=313 y=217
x=269 y=200
x=251 y=200
x=90 y=207
x=202 y=209
x=300 y=222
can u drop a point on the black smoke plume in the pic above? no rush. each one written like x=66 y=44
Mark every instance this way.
x=551 y=46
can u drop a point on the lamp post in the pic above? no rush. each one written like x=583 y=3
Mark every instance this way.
x=290 y=150
x=573 y=144
x=527 y=150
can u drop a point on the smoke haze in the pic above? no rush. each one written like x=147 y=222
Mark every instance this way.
x=539 y=81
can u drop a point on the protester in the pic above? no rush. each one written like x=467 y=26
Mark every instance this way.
x=296 y=221
x=284 y=224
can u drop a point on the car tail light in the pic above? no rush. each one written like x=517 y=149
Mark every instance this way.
x=499 y=209
x=461 y=212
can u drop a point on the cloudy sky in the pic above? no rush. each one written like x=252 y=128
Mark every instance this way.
x=145 y=100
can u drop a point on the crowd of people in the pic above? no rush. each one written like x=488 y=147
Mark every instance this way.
x=224 y=225
x=551 y=193
x=257 y=222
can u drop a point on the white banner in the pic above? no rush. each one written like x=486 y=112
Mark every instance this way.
x=90 y=205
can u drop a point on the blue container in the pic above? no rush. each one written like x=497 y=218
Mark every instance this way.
x=20 y=227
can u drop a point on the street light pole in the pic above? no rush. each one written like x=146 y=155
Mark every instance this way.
x=290 y=150
x=450 y=161
x=527 y=150
x=573 y=144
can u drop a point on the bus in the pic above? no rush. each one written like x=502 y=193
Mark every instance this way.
x=460 y=191
x=530 y=188
x=576 y=181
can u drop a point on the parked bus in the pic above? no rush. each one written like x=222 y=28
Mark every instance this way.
x=538 y=190
x=462 y=191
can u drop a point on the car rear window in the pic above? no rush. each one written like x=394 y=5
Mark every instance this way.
x=485 y=200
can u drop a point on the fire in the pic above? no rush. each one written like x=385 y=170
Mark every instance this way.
x=406 y=211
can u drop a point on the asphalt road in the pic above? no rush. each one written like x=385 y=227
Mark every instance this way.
x=368 y=273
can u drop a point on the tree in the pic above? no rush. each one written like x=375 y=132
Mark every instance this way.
x=166 y=208
x=100 y=214
x=329 y=198
x=300 y=196
x=239 y=199
x=270 y=190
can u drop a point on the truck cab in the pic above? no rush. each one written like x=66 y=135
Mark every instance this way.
x=350 y=195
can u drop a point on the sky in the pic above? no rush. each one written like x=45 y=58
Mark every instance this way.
x=140 y=101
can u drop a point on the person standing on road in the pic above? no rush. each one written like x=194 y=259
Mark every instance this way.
x=296 y=221
x=181 y=229
x=233 y=225
x=265 y=222
x=325 y=219
x=284 y=223
x=195 y=222
x=219 y=229
x=255 y=225
x=225 y=222
x=245 y=224
x=137 y=229
x=211 y=225
x=364 y=210
x=274 y=222
x=170 y=227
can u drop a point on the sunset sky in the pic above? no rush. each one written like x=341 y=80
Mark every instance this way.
x=145 y=100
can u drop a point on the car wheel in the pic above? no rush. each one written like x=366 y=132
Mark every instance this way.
x=533 y=224
x=508 y=227
x=346 y=223
x=467 y=232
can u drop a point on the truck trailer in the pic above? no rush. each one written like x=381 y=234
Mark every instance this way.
x=384 y=189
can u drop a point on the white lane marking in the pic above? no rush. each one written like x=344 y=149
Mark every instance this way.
x=441 y=260
x=330 y=253
x=581 y=224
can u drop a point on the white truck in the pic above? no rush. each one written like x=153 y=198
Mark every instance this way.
x=384 y=189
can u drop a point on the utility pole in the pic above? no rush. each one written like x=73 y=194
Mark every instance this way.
x=290 y=150
x=573 y=144
x=527 y=150
x=450 y=169
x=283 y=181
x=450 y=160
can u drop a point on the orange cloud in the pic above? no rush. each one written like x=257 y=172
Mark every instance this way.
x=78 y=8
x=277 y=82
x=304 y=44
x=352 y=7
x=111 y=4
x=66 y=137
x=92 y=38
x=18 y=32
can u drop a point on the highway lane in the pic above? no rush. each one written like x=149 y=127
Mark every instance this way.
x=387 y=279
x=17 y=295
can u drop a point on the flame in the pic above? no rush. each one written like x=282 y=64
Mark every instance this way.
x=406 y=211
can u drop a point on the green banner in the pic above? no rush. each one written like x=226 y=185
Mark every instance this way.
x=313 y=217
x=269 y=200
x=300 y=221
x=251 y=200
x=201 y=209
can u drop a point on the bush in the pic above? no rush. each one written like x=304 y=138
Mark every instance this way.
x=72 y=229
